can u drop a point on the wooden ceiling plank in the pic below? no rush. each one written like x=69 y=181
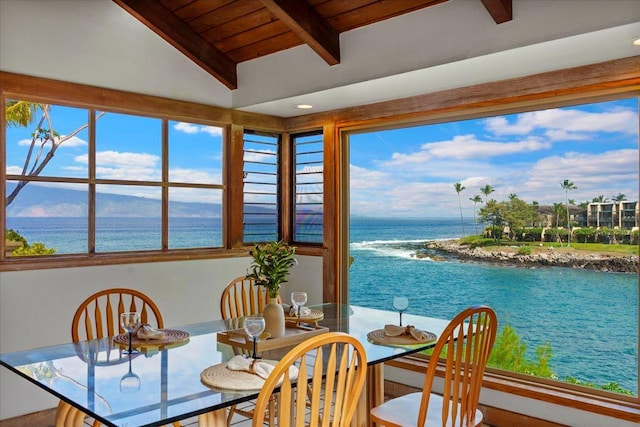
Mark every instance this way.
x=168 y=26
x=376 y=12
x=500 y=10
x=309 y=25
x=265 y=32
x=198 y=8
x=239 y=25
x=232 y=11
x=172 y=5
x=265 y=47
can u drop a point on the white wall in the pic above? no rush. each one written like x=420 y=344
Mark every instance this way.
x=36 y=307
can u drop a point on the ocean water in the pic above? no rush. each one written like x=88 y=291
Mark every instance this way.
x=590 y=318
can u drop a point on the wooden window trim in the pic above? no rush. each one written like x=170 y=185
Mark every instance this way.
x=604 y=403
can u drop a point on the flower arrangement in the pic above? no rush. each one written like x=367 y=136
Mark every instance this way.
x=271 y=264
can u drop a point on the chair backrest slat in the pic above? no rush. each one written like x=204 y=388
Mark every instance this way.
x=102 y=315
x=242 y=297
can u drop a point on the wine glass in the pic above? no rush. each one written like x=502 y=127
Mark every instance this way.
x=254 y=326
x=299 y=299
x=130 y=321
x=400 y=304
x=130 y=382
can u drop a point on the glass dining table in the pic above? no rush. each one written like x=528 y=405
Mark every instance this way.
x=160 y=386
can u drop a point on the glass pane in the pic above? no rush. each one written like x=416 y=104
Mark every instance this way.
x=68 y=140
x=260 y=187
x=526 y=183
x=195 y=153
x=195 y=218
x=128 y=148
x=128 y=218
x=309 y=190
x=51 y=214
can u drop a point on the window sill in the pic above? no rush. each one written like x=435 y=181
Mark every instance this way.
x=624 y=408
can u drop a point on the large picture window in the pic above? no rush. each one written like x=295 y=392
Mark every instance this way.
x=80 y=181
x=534 y=214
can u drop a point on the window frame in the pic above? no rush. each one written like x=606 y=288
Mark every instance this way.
x=35 y=89
x=293 y=162
x=588 y=83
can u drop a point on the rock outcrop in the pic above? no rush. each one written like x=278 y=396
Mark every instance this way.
x=547 y=257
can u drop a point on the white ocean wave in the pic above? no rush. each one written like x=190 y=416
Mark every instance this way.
x=390 y=248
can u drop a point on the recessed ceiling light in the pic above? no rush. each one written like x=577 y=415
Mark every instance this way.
x=304 y=106
x=636 y=41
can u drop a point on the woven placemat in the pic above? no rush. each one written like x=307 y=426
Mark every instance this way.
x=171 y=337
x=314 y=316
x=220 y=377
x=379 y=337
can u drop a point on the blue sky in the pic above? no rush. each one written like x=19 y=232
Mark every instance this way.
x=411 y=172
x=407 y=172
x=128 y=147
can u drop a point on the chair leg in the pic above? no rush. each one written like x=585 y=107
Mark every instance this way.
x=69 y=416
x=212 y=419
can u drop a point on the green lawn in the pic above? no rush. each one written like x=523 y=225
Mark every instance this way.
x=489 y=244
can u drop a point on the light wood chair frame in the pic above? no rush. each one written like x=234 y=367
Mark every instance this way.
x=242 y=297
x=98 y=317
x=468 y=340
x=332 y=369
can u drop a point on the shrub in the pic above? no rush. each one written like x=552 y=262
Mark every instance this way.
x=524 y=250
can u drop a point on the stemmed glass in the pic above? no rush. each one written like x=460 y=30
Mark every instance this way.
x=400 y=304
x=254 y=326
x=130 y=321
x=299 y=299
x=130 y=382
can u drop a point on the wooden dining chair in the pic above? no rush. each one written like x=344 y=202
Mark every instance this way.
x=98 y=317
x=332 y=368
x=467 y=342
x=241 y=298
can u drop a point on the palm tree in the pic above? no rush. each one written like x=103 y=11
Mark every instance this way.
x=459 y=188
x=600 y=199
x=620 y=197
x=486 y=190
x=475 y=199
x=568 y=186
x=21 y=113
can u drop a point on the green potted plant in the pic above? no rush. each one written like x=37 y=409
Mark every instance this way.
x=269 y=268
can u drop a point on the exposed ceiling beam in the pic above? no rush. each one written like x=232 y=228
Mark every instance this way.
x=309 y=25
x=500 y=10
x=168 y=26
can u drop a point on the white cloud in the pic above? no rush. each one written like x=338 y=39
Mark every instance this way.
x=260 y=156
x=122 y=159
x=14 y=170
x=74 y=141
x=194 y=176
x=191 y=129
x=566 y=120
x=464 y=147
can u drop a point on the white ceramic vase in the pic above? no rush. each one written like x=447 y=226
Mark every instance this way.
x=273 y=314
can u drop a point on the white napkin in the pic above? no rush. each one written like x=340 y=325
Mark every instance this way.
x=304 y=311
x=146 y=332
x=410 y=330
x=259 y=367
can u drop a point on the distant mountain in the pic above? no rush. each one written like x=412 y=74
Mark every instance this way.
x=39 y=201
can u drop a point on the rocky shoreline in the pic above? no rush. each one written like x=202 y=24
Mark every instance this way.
x=548 y=257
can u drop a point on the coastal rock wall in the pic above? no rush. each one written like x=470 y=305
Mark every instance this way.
x=600 y=262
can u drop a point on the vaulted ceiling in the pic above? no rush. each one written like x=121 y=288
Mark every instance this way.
x=219 y=34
